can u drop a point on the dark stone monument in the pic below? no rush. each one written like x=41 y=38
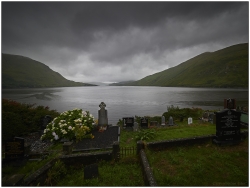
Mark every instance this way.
x=102 y=115
x=46 y=120
x=229 y=103
x=228 y=126
x=14 y=149
x=144 y=123
x=128 y=121
x=153 y=123
x=91 y=171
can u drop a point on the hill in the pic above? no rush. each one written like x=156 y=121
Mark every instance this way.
x=23 y=72
x=224 y=68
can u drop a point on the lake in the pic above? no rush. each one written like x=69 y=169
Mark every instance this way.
x=125 y=101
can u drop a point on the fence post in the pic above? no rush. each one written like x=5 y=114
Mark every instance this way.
x=116 y=151
x=139 y=146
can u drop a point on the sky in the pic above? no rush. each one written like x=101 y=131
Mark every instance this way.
x=120 y=41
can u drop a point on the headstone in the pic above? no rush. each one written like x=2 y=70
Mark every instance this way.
x=190 y=120
x=102 y=115
x=229 y=103
x=46 y=120
x=227 y=127
x=128 y=121
x=163 y=121
x=205 y=116
x=14 y=149
x=91 y=171
x=144 y=123
x=170 y=121
x=135 y=127
x=211 y=118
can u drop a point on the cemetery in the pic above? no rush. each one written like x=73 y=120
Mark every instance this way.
x=148 y=151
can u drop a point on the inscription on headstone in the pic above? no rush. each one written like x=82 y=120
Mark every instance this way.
x=15 y=148
x=228 y=126
x=144 y=123
x=102 y=115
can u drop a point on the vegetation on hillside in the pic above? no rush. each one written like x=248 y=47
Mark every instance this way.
x=23 y=72
x=224 y=68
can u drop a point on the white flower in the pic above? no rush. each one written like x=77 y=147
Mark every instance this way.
x=56 y=137
x=44 y=131
x=53 y=133
x=84 y=113
x=70 y=127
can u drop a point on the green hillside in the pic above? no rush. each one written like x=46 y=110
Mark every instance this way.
x=23 y=72
x=224 y=68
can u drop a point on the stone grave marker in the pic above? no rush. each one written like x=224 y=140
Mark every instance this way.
x=14 y=149
x=190 y=120
x=135 y=127
x=128 y=123
x=91 y=171
x=46 y=120
x=102 y=115
x=163 y=121
x=144 y=123
x=227 y=127
x=229 y=103
x=170 y=121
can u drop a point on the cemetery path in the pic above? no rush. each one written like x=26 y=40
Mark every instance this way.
x=101 y=139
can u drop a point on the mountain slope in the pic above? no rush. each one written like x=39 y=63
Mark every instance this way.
x=19 y=72
x=224 y=68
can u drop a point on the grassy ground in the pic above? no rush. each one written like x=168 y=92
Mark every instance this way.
x=126 y=172
x=167 y=133
x=201 y=165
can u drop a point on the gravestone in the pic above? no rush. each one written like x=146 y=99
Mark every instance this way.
x=190 y=120
x=135 y=127
x=102 y=115
x=144 y=123
x=229 y=103
x=227 y=127
x=91 y=171
x=163 y=121
x=14 y=149
x=46 y=120
x=170 y=121
x=128 y=121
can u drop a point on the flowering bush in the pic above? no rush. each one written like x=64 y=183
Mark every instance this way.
x=72 y=124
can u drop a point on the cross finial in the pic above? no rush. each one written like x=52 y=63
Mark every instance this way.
x=102 y=105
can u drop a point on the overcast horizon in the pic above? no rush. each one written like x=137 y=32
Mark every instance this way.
x=120 y=41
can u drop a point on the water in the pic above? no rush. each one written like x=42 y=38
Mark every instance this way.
x=125 y=101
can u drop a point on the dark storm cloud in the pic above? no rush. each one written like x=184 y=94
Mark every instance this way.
x=82 y=39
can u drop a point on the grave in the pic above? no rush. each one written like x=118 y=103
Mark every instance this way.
x=128 y=123
x=228 y=125
x=14 y=149
x=144 y=123
x=163 y=121
x=91 y=171
x=136 y=126
x=102 y=115
x=190 y=120
x=170 y=121
x=46 y=120
x=153 y=123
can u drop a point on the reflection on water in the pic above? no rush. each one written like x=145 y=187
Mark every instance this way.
x=127 y=101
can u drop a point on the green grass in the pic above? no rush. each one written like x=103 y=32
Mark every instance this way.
x=167 y=133
x=201 y=165
x=126 y=172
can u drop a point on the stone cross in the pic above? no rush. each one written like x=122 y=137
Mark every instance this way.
x=102 y=115
x=163 y=121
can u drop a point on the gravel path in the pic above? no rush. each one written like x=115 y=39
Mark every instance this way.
x=102 y=139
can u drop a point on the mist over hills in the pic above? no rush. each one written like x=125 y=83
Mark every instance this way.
x=23 y=72
x=224 y=68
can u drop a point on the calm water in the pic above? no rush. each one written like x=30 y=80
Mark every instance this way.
x=123 y=101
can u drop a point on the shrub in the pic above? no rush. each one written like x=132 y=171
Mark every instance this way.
x=72 y=124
